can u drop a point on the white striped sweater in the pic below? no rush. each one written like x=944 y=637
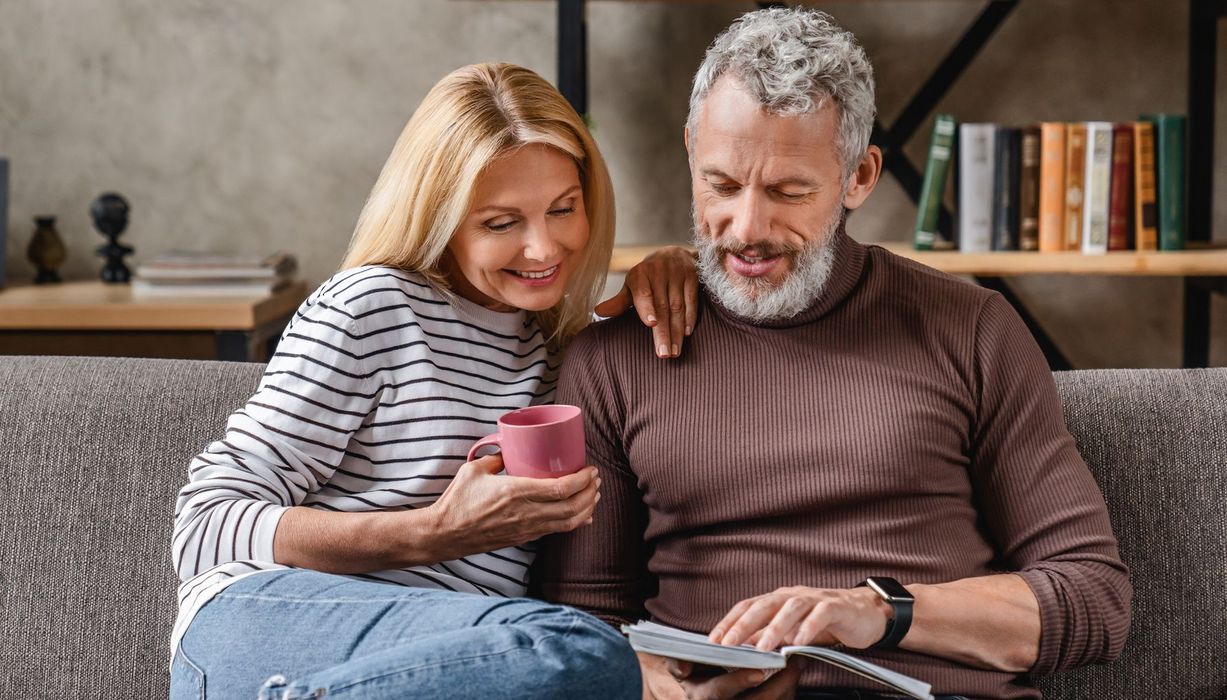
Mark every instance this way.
x=379 y=386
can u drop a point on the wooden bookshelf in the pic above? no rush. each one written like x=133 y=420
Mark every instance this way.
x=1205 y=262
x=89 y=317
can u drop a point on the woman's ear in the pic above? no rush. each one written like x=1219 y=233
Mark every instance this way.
x=864 y=178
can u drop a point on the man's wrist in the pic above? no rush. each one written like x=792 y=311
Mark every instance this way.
x=900 y=600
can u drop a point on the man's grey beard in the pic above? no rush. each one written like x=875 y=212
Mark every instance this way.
x=758 y=300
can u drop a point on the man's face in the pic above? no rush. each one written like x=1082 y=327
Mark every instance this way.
x=768 y=193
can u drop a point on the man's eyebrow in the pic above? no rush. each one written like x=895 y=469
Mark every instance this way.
x=802 y=182
x=796 y=182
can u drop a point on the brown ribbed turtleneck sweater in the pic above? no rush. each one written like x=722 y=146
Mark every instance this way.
x=904 y=425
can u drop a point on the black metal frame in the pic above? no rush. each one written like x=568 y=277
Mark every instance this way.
x=892 y=140
x=1203 y=51
x=1203 y=59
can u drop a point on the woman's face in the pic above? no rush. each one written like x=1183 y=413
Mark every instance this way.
x=521 y=240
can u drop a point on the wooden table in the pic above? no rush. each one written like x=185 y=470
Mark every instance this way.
x=1203 y=269
x=105 y=319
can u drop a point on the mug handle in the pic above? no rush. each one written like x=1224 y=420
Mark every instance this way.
x=487 y=440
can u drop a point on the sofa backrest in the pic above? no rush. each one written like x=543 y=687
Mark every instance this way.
x=1156 y=441
x=93 y=451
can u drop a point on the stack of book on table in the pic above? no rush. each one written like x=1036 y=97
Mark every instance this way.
x=206 y=274
x=1058 y=186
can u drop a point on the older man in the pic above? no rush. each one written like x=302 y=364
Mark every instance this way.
x=842 y=415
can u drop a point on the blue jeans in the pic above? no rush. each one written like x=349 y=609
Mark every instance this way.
x=304 y=634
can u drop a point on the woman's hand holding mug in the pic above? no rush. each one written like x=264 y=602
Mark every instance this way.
x=547 y=487
x=483 y=510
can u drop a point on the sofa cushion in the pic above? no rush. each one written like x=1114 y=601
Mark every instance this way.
x=92 y=453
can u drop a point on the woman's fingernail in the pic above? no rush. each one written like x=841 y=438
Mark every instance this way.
x=651 y=319
x=687 y=330
x=675 y=350
x=662 y=350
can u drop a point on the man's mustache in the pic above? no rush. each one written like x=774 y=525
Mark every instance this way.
x=762 y=250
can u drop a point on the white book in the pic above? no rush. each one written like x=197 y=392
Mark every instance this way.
x=145 y=289
x=1098 y=187
x=662 y=640
x=192 y=265
x=977 y=153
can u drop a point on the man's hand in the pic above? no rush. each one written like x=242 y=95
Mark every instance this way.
x=669 y=679
x=664 y=289
x=854 y=617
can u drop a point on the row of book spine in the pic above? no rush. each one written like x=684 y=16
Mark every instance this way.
x=1057 y=186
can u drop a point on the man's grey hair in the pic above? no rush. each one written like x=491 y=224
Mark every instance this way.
x=793 y=60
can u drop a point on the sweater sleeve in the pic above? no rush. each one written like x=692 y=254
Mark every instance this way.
x=1039 y=500
x=602 y=567
x=283 y=445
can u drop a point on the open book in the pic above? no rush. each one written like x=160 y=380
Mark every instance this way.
x=661 y=640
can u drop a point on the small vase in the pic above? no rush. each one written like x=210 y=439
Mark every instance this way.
x=46 y=250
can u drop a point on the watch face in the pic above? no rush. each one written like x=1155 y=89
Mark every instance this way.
x=889 y=589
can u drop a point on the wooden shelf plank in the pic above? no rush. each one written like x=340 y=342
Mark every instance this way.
x=1208 y=262
x=92 y=305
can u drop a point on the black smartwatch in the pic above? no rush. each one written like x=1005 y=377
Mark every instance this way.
x=898 y=598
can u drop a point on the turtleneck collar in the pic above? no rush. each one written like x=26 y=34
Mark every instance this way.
x=845 y=273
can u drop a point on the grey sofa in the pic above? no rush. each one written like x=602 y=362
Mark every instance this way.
x=92 y=452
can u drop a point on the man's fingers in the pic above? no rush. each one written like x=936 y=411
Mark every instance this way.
x=783 y=684
x=785 y=622
x=814 y=623
x=722 y=627
x=616 y=304
x=755 y=618
x=725 y=685
x=680 y=670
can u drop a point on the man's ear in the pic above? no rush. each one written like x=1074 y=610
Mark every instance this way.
x=864 y=178
x=686 y=137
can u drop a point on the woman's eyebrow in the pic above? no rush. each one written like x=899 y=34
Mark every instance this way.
x=570 y=191
x=499 y=208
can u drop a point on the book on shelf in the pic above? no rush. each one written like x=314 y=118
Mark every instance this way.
x=1120 y=203
x=1169 y=166
x=1029 y=189
x=975 y=187
x=191 y=274
x=193 y=265
x=1005 y=188
x=1145 y=224
x=1088 y=187
x=662 y=640
x=1075 y=174
x=230 y=288
x=933 y=188
x=1097 y=187
x=1052 y=187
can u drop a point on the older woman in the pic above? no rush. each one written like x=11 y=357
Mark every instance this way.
x=335 y=542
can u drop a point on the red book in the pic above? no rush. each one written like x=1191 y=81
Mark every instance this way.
x=1120 y=202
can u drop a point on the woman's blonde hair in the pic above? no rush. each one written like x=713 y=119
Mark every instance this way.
x=470 y=118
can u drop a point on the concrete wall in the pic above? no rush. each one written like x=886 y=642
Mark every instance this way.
x=254 y=126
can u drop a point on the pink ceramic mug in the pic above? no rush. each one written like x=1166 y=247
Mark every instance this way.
x=539 y=441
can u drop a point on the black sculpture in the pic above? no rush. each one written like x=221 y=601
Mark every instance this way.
x=110 y=214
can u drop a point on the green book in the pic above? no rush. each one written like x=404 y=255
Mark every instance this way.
x=1170 y=180
x=930 y=204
